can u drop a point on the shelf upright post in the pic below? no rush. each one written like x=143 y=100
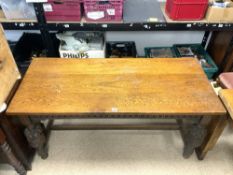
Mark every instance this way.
x=47 y=40
x=205 y=38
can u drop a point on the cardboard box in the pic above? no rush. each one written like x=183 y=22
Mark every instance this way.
x=220 y=15
x=95 y=42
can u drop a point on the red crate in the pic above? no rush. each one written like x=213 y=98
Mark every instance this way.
x=103 y=10
x=186 y=9
x=63 y=10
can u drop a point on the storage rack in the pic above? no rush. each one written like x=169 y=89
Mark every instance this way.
x=45 y=27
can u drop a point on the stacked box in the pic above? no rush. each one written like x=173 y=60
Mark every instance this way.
x=103 y=10
x=186 y=9
x=197 y=51
x=62 y=10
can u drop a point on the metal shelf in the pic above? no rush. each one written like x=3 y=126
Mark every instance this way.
x=25 y=25
x=140 y=26
x=20 y=25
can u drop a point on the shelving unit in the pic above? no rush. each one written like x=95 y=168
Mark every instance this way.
x=25 y=24
x=46 y=27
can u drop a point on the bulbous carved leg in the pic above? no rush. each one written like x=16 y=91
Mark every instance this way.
x=37 y=139
x=12 y=159
x=193 y=137
x=214 y=131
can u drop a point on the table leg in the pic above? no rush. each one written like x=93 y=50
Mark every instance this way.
x=35 y=134
x=193 y=135
x=13 y=161
x=214 y=131
x=16 y=141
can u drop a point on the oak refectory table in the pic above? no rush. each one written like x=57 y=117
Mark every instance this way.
x=55 y=88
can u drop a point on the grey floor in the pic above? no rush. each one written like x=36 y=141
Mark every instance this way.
x=126 y=153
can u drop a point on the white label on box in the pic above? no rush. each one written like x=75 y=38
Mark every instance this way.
x=82 y=55
x=48 y=7
x=111 y=12
x=74 y=55
x=95 y=15
x=66 y=25
x=105 y=25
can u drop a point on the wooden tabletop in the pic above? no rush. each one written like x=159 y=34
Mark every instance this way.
x=227 y=98
x=144 y=86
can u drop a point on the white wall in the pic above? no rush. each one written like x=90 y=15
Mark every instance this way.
x=14 y=35
x=142 y=39
x=155 y=39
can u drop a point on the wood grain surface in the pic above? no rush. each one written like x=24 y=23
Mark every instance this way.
x=8 y=70
x=227 y=98
x=147 y=86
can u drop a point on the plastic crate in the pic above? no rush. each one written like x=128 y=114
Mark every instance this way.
x=124 y=49
x=103 y=10
x=198 y=49
x=63 y=10
x=186 y=9
x=160 y=52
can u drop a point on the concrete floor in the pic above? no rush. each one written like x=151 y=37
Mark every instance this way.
x=128 y=152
